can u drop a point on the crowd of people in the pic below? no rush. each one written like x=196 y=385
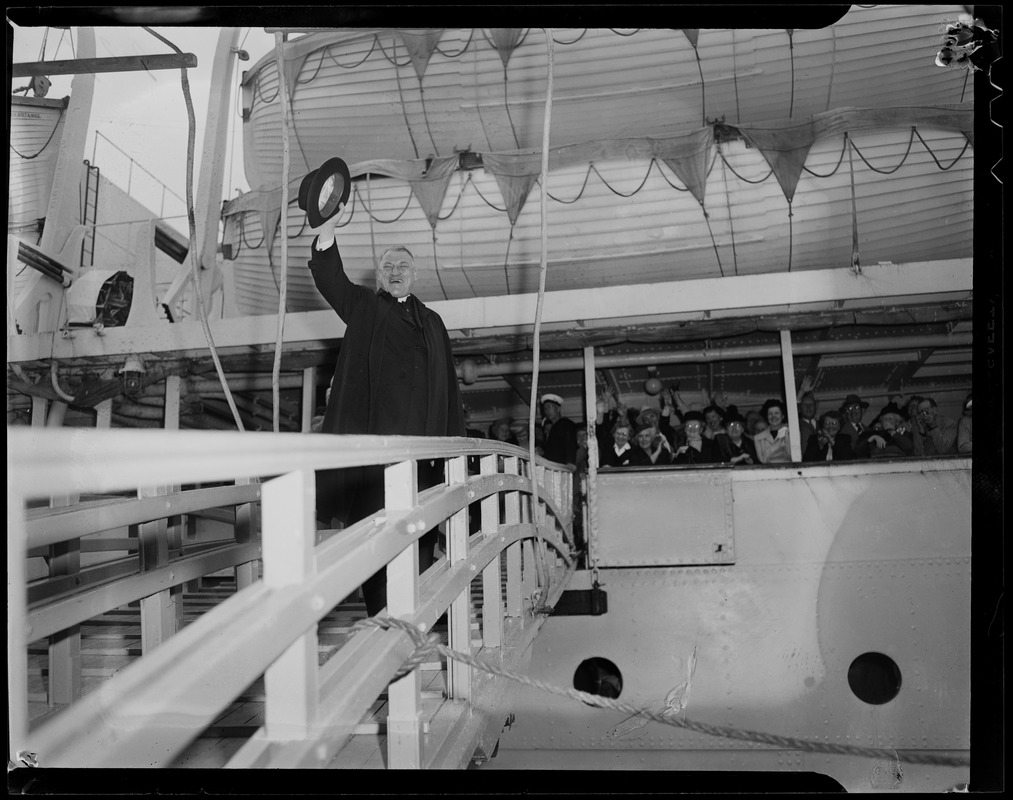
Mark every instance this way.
x=720 y=434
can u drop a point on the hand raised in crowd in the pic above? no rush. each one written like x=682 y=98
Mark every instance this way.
x=325 y=231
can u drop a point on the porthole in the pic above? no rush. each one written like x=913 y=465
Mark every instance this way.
x=598 y=676
x=874 y=678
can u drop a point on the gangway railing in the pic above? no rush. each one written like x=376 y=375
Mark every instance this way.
x=151 y=710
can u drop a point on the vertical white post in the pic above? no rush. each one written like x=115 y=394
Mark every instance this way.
x=512 y=516
x=404 y=720
x=17 y=625
x=529 y=570
x=104 y=414
x=291 y=683
x=788 y=364
x=65 y=646
x=158 y=617
x=459 y=617
x=175 y=525
x=492 y=602
x=309 y=382
x=39 y=407
x=591 y=510
x=245 y=532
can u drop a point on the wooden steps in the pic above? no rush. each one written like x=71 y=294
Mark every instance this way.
x=112 y=641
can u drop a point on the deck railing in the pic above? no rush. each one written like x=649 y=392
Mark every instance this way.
x=151 y=710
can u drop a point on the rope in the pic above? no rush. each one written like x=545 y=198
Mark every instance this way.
x=735 y=80
x=457 y=202
x=192 y=223
x=714 y=244
x=404 y=111
x=506 y=105
x=52 y=133
x=372 y=238
x=425 y=116
x=582 y=35
x=540 y=566
x=844 y=145
x=376 y=42
x=854 y=206
x=286 y=124
x=885 y=171
x=436 y=265
x=728 y=204
x=462 y=51
x=791 y=54
x=967 y=144
x=744 y=180
x=426 y=645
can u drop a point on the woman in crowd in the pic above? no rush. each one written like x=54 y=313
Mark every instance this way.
x=713 y=418
x=501 y=431
x=698 y=448
x=619 y=451
x=735 y=447
x=772 y=444
x=652 y=448
x=829 y=443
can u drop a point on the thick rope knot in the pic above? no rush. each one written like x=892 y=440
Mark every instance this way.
x=425 y=645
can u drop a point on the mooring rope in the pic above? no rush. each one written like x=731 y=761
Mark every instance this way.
x=427 y=645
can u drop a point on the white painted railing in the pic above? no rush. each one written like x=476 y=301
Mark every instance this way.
x=151 y=710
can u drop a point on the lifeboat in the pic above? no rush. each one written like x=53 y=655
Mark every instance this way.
x=674 y=153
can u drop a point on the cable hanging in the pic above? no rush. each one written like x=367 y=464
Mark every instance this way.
x=462 y=51
x=194 y=266
x=404 y=110
x=728 y=205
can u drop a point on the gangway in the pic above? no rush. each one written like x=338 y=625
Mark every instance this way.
x=72 y=490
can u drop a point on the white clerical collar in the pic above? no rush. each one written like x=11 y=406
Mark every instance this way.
x=403 y=299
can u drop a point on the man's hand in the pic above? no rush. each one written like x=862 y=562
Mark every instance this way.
x=325 y=232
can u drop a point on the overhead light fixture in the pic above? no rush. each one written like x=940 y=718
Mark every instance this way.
x=324 y=190
x=131 y=375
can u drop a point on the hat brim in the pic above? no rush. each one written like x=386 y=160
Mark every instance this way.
x=313 y=184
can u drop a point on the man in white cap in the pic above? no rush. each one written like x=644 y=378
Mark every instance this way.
x=560 y=432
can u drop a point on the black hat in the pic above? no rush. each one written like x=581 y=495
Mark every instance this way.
x=854 y=398
x=313 y=183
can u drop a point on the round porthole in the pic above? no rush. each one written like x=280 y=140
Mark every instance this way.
x=598 y=676
x=874 y=678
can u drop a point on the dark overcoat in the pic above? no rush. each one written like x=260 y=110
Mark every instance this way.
x=357 y=389
x=356 y=385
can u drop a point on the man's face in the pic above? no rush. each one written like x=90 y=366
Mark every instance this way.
x=551 y=410
x=854 y=412
x=808 y=407
x=713 y=420
x=927 y=413
x=397 y=273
